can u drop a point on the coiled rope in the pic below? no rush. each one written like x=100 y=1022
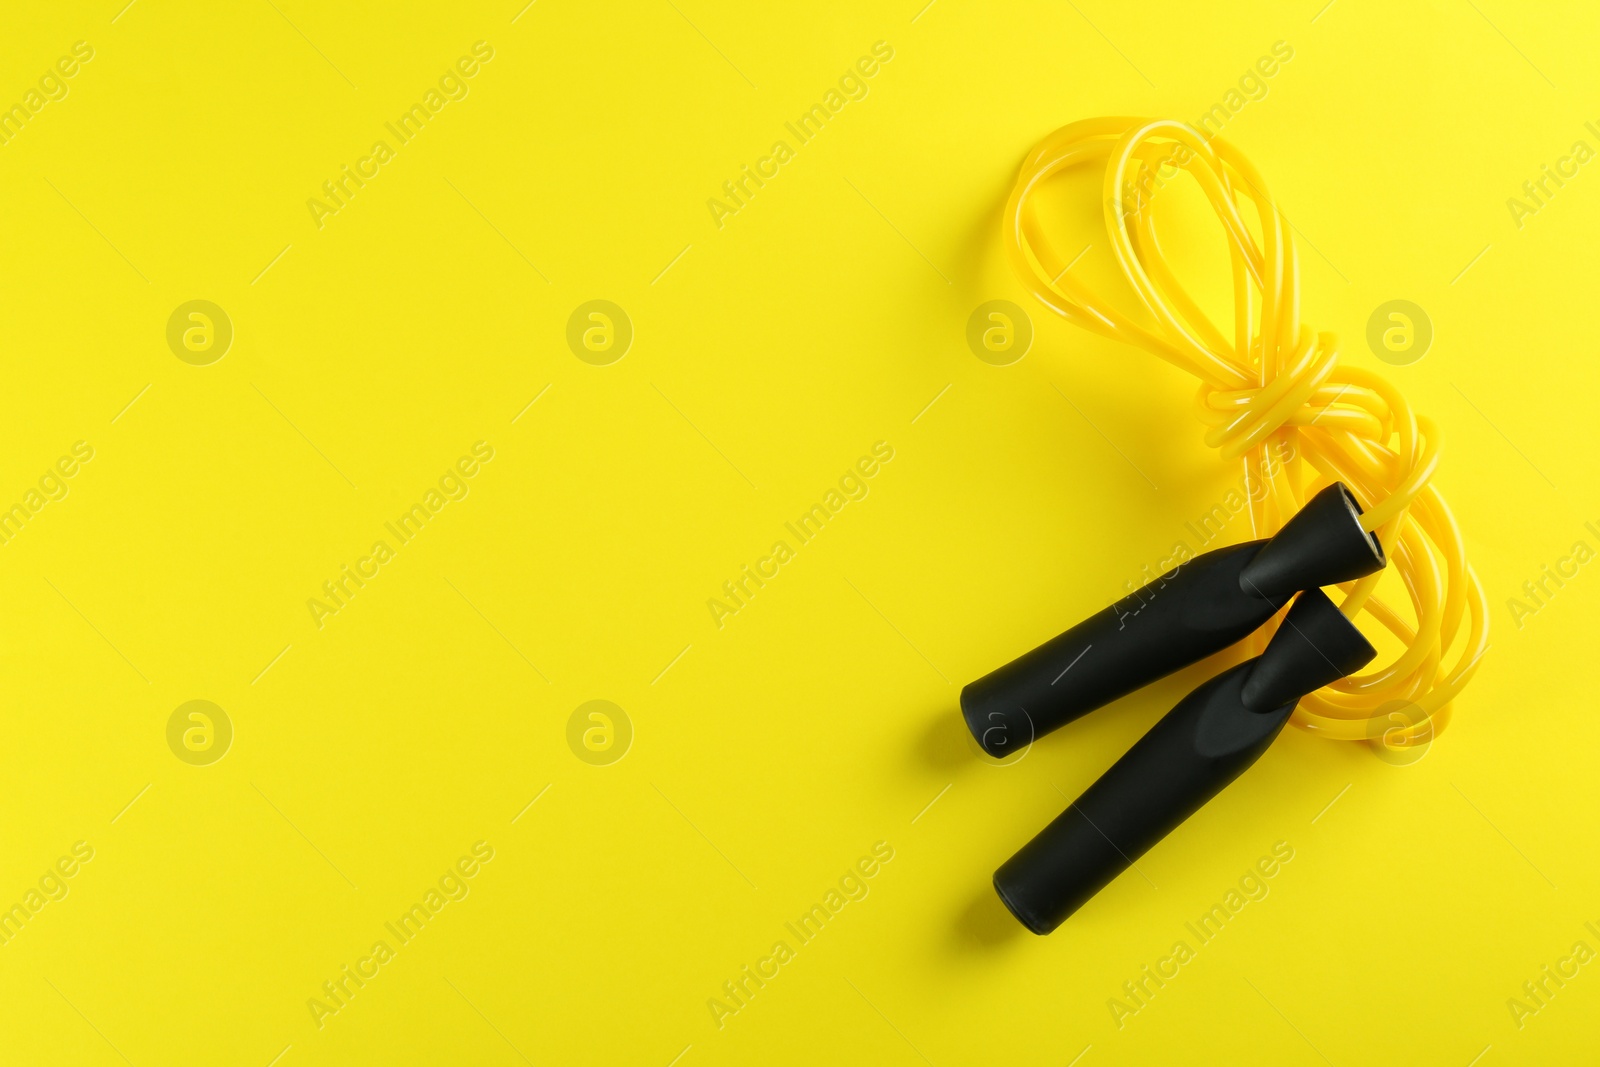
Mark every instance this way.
x=1275 y=384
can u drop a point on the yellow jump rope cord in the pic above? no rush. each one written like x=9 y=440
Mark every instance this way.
x=1276 y=385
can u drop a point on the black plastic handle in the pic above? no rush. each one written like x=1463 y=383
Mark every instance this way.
x=1198 y=748
x=1194 y=610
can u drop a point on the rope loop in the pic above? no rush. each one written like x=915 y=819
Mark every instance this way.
x=1275 y=388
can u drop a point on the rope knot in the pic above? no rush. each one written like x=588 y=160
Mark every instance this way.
x=1290 y=394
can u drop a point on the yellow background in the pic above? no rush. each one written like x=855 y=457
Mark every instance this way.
x=769 y=354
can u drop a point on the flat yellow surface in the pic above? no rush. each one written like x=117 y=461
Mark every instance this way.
x=420 y=741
